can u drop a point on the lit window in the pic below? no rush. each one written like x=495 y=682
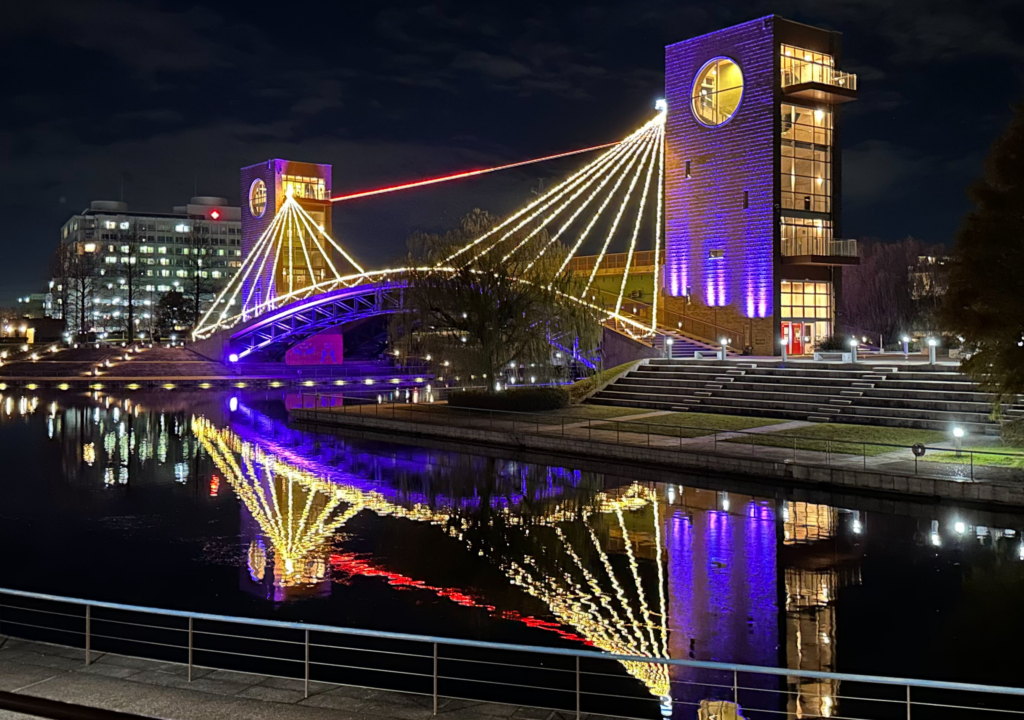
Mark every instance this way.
x=110 y=225
x=717 y=91
x=162 y=250
x=215 y=273
x=124 y=226
x=90 y=247
x=182 y=228
x=110 y=259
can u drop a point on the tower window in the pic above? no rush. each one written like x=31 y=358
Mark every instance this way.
x=687 y=168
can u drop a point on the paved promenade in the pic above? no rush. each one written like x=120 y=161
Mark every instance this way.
x=160 y=689
x=724 y=452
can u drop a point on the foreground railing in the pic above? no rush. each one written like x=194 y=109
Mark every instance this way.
x=929 y=461
x=567 y=680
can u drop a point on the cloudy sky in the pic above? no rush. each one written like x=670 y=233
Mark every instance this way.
x=161 y=98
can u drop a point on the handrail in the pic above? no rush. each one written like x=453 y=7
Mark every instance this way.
x=684 y=324
x=512 y=647
x=537 y=419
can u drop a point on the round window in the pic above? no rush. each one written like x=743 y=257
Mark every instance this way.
x=257 y=198
x=717 y=91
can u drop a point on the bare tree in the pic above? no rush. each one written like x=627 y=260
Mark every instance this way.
x=198 y=288
x=132 y=273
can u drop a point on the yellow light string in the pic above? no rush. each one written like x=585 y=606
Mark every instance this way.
x=608 y=198
x=235 y=282
x=636 y=225
x=273 y=247
x=657 y=231
x=604 y=181
x=583 y=188
x=586 y=179
x=544 y=198
x=615 y=223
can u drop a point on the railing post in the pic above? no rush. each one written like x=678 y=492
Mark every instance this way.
x=88 y=634
x=908 y=702
x=577 y=687
x=435 y=678
x=190 y=647
x=306 y=689
x=735 y=688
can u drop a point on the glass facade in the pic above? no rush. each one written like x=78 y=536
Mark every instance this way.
x=806 y=159
x=312 y=188
x=804 y=236
x=806 y=309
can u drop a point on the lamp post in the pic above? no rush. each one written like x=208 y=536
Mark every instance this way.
x=932 y=342
x=906 y=347
x=784 y=348
x=853 y=349
x=958 y=438
x=668 y=347
x=725 y=344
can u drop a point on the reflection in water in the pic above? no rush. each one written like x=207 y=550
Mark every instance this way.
x=659 y=571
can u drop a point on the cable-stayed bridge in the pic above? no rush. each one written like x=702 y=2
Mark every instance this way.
x=599 y=224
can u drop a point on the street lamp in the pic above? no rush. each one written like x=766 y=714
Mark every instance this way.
x=932 y=342
x=853 y=349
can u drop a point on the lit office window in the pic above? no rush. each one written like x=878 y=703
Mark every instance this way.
x=805 y=165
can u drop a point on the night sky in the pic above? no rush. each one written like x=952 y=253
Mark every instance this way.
x=167 y=97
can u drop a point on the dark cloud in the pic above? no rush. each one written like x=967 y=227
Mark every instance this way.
x=166 y=93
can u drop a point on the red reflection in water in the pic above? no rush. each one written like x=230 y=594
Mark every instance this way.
x=352 y=564
x=214 y=485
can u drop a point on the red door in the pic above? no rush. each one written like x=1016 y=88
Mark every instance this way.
x=796 y=345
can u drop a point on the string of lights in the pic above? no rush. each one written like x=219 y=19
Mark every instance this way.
x=639 y=216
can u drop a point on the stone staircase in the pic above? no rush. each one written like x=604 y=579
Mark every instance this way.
x=683 y=347
x=923 y=396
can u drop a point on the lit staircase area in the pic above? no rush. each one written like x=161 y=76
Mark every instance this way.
x=923 y=397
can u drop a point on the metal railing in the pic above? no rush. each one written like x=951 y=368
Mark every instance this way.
x=614 y=262
x=700 y=330
x=796 y=71
x=819 y=246
x=916 y=460
x=440 y=668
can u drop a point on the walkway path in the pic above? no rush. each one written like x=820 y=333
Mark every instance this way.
x=161 y=689
x=730 y=443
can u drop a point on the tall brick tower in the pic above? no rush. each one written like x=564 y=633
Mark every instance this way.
x=752 y=182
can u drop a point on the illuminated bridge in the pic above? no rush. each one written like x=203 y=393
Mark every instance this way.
x=717 y=219
x=296 y=280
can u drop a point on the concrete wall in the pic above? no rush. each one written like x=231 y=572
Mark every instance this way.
x=617 y=349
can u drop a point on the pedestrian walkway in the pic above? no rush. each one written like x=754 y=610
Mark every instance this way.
x=161 y=689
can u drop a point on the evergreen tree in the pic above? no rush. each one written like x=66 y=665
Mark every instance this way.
x=985 y=301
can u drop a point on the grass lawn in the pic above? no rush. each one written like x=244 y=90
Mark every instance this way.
x=441 y=410
x=688 y=424
x=849 y=439
x=1014 y=457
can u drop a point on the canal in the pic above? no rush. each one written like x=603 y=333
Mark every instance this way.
x=211 y=502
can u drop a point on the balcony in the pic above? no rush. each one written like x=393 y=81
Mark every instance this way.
x=817 y=82
x=819 y=251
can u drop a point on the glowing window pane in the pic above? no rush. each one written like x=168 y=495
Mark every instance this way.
x=717 y=91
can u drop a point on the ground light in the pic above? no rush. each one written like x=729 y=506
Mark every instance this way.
x=958 y=436
x=668 y=347
x=853 y=349
x=932 y=342
x=724 y=342
x=785 y=347
x=906 y=347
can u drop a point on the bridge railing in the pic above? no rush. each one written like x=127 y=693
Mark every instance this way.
x=439 y=669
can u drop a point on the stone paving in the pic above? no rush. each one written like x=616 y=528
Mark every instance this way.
x=161 y=689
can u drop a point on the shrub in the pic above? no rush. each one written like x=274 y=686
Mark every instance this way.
x=1012 y=432
x=580 y=389
x=834 y=343
x=527 y=399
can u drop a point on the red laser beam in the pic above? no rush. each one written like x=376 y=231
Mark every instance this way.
x=461 y=175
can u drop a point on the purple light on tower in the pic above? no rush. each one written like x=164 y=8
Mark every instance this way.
x=719 y=208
